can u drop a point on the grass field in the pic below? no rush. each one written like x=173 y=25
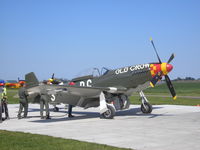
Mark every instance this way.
x=12 y=93
x=25 y=141
x=167 y=100
x=183 y=88
x=155 y=95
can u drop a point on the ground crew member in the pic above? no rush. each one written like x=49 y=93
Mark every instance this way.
x=70 y=111
x=70 y=106
x=44 y=101
x=23 y=102
x=4 y=102
x=1 y=119
x=0 y=113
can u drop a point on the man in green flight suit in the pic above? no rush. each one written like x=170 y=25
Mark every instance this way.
x=23 y=94
x=44 y=101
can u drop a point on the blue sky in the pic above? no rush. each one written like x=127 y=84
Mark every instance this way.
x=65 y=37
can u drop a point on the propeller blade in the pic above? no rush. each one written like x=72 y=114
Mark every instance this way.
x=171 y=58
x=155 y=79
x=52 y=76
x=155 y=50
x=170 y=86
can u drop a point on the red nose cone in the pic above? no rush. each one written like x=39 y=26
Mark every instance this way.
x=169 y=67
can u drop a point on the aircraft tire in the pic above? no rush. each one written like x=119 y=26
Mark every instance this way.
x=109 y=114
x=56 y=109
x=148 y=108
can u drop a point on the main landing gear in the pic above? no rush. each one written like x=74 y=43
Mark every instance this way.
x=108 y=108
x=110 y=113
x=107 y=111
x=146 y=107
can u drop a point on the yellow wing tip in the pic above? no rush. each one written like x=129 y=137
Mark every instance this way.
x=151 y=84
x=175 y=97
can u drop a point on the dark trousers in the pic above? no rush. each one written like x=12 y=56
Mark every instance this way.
x=70 y=110
x=0 y=112
x=23 y=105
x=44 y=103
x=5 y=108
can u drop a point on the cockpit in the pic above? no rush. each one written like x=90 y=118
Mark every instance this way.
x=95 y=72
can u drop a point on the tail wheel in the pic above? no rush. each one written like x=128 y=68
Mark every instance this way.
x=147 y=108
x=109 y=114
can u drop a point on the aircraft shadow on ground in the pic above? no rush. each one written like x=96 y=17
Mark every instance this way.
x=137 y=112
x=80 y=115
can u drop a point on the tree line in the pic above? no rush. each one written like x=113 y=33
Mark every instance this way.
x=186 y=78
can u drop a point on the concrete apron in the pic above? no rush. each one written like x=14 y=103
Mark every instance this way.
x=167 y=127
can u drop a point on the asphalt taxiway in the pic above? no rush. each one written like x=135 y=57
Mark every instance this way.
x=167 y=128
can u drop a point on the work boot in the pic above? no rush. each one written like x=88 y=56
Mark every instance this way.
x=7 y=118
x=48 y=117
x=70 y=116
x=19 y=117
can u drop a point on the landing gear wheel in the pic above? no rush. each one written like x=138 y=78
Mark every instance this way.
x=147 y=109
x=56 y=109
x=109 y=114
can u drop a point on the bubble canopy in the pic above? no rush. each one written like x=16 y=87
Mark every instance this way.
x=95 y=72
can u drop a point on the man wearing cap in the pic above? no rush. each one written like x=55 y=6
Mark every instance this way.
x=44 y=102
x=23 y=103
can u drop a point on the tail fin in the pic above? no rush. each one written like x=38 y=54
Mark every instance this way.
x=31 y=80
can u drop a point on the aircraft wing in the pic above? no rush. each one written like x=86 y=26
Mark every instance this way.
x=83 y=91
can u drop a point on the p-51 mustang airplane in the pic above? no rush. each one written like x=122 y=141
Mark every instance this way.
x=110 y=90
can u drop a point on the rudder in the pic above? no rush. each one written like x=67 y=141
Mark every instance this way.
x=31 y=80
